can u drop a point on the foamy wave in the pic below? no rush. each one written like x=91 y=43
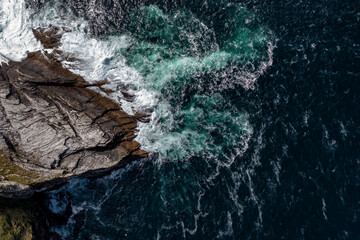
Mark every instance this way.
x=16 y=37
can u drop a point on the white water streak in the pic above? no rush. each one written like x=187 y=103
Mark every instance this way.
x=16 y=38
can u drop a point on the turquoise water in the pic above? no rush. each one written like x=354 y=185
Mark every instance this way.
x=254 y=128
x=179 y=57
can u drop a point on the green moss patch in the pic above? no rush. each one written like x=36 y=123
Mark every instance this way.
x=12 y=172
x=15 y=223
x=24 y=220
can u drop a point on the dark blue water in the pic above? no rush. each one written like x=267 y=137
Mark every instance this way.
x=294 y=174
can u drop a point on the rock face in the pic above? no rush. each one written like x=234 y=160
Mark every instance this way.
x=53 y=127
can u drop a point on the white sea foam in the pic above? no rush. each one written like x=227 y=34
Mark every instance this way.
x=16 y=37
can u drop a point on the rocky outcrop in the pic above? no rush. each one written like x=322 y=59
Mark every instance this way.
x=54 y=127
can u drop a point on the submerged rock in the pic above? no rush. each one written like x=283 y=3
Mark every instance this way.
x=53 y=127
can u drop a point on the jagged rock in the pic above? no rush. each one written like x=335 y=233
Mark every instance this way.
x=53 y=127
x=49 y=37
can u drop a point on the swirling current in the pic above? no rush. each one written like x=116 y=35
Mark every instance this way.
x=254 y=117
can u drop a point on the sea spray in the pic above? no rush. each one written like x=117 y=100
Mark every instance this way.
x=16 y=36
x=180 y=59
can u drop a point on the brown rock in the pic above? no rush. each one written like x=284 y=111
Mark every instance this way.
x=52 y=127
x=49 y=37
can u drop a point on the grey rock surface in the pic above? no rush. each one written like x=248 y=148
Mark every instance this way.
x=53 y=127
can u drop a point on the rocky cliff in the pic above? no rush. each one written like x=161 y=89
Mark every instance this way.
x=54 y=126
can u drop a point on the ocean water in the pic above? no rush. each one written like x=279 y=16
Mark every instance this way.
x=253 y=107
